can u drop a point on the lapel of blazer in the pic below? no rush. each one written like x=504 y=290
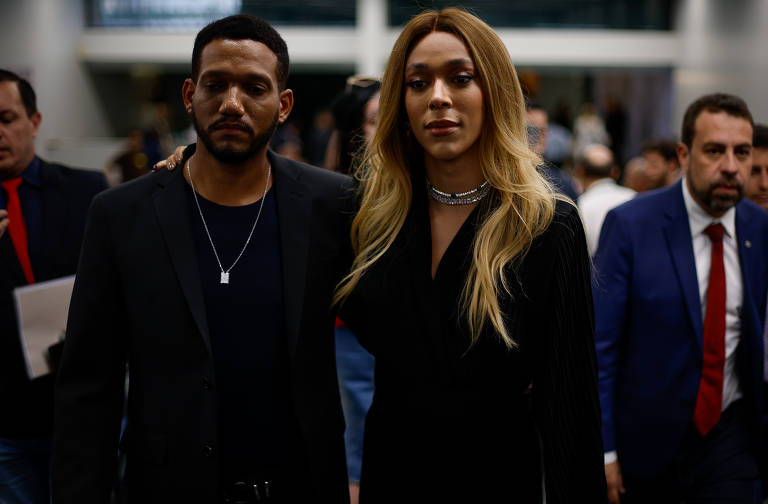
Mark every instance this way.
x=9 y=263
x=749 y=246
x=294 y=210
x=171 y=208
x=677 y=231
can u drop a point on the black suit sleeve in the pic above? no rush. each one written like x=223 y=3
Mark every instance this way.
x=565 y=397
x=91 y=377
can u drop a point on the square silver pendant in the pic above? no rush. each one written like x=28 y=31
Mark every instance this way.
x=224 y=277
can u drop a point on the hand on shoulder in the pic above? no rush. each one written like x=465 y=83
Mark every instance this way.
x=172 y=161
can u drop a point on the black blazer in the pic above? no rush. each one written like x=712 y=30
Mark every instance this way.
x=27 y=406
x=138 y=300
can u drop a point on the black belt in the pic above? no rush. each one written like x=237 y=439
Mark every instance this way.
x=248 y=492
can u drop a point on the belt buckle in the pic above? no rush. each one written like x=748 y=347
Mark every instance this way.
x=242 y=492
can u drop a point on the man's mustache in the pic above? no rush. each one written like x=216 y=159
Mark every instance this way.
x=228 y=123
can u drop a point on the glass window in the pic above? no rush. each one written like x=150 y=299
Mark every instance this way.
x=594 y=14
x=196 y=13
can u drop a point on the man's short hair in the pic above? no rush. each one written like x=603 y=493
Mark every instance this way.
x=665 y=147
x=716 y=102
x=760 y=137
x=28 y=97
x=597 y=160
x=243 y=27
x=533 y=105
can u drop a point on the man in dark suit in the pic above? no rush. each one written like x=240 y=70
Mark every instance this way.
x=41 y=227
x=680 y=308
x=213 y=283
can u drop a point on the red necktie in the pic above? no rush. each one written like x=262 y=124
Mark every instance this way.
x=710 y=398
x=16 y=227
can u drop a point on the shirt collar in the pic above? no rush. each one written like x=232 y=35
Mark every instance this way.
x=699 y=219
x=32 y=174
x=607 y=181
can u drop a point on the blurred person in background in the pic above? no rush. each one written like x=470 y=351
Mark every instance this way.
x=354 y=111
x=287 y=141
x=537 y=125
x=131 y=163
x=45 y=205
x=757 y=184
x=635 y=176
x=663 y=167
x=470 y=286
x=157 y=137
x=616 y=126
x=559 y=145
x=319 y=136
x=598 y=173
x=680 y=313
x=588 y=128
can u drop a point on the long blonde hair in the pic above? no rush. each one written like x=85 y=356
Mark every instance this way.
x=523 y=201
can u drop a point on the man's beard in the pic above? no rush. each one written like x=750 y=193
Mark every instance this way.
x=235 y=156
x=717 y=203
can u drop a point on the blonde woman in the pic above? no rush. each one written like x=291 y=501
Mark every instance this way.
x=470 y=286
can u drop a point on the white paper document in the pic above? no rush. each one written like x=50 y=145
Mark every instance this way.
x=41 y=309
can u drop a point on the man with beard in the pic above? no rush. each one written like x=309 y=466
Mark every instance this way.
x=212 y=284
x=679 y=315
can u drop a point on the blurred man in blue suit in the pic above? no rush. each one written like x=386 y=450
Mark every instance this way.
x=680 y=296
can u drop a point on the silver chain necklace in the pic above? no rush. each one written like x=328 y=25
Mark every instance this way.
x=463 y=198
x=225 y=273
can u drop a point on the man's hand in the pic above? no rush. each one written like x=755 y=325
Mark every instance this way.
x=614 y=482
x=3 y=221
x=173 y=160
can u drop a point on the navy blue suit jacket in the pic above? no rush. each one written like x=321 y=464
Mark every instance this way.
x=648 y=325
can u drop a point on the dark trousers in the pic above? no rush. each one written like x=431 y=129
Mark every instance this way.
x=718 y=468
x=25 y=471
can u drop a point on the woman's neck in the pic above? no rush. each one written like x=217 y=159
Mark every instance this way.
x=454 y=176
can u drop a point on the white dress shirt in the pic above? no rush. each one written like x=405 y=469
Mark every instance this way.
x=699 y=220
x=594 y=204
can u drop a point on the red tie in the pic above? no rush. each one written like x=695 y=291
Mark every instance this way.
x=710 y=398
x=16 y=227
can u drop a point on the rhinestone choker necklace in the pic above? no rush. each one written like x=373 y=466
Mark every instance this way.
x=464 y=198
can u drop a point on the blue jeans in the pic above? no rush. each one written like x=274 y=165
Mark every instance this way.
x=355 y=368
x=25 y=471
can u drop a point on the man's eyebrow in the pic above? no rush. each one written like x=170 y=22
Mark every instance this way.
x=224 y=73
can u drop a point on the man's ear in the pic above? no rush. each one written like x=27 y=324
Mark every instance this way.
x=615 y=172
x=187 y=92
x=683 y=156
x=286 y=105
x=36 y=119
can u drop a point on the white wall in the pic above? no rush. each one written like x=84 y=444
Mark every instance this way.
x=38 y=38
x=724 y=47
